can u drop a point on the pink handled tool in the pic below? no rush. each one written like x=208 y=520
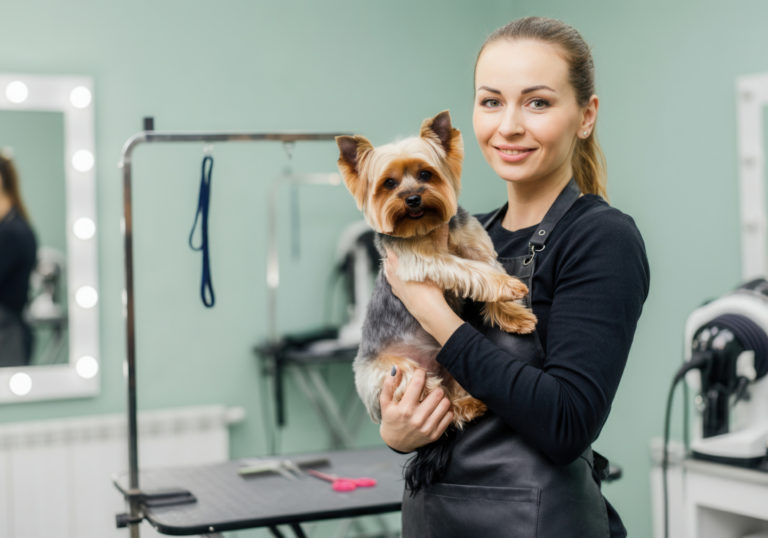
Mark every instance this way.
x=343 y=484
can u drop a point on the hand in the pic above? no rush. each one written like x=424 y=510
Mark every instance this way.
x=424 y=300
x=408 y=424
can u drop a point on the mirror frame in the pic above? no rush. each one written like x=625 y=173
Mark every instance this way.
x=80 y=377
x=752 y=96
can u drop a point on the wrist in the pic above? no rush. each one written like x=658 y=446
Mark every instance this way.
x=395 y=443
x=442 y=325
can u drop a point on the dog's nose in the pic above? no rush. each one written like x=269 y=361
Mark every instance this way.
x=413 y=201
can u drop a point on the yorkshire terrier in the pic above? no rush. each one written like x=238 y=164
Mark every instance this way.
x=408 y=190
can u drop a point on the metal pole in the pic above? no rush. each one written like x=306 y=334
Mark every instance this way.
x=151 y=136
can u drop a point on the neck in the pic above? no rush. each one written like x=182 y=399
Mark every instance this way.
x=529 y=202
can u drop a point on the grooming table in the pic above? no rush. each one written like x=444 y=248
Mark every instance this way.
x=223 y=500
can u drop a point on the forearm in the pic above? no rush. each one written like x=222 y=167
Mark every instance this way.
x=557 y=411
x=441 y=322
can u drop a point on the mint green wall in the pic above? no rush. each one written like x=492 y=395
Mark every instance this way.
x=666 y=75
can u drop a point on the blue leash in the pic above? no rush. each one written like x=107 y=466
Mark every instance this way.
x=203 y=202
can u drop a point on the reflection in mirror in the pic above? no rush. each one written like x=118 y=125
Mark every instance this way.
x=33 y=141
x=46 y=129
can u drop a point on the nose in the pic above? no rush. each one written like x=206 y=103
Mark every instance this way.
x=413 y=201
x=511 y=123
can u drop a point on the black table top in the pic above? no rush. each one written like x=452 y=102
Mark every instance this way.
x=225 y=500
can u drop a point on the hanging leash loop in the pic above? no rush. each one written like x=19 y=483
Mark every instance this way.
x=203 y=203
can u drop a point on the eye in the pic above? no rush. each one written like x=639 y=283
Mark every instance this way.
x=390 y=183
x=425 y=175
x=539 y=104
x=490 y=103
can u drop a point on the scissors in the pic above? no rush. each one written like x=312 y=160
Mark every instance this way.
x=343 y=484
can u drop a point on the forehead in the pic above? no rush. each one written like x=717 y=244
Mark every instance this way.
x=516 y=64
x=404 y=156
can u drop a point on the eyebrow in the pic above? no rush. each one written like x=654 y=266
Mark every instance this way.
x=523 y=92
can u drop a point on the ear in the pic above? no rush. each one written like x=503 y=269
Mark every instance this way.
x=439 y=128
x=589 y=117
x=353 y=150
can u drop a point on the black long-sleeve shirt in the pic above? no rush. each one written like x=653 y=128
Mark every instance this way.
x=18 y=252
x=589 y=286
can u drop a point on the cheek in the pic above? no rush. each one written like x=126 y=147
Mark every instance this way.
x=555 y=133
x=482 y=125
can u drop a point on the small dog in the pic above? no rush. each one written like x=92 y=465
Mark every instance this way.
x=407 y=191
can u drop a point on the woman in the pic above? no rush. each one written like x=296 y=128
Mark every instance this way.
x=18 y=252
x=526 y=467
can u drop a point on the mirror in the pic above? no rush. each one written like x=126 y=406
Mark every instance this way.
x=752 y=95
x=46 y=128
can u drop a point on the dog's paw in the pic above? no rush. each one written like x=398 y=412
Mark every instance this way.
x=466 y=410
x=511 y=317
x=513 y=289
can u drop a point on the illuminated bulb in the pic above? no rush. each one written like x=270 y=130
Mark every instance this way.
x=86 y=297
x=16 y=91
x=82 y=160
x=87 y=367
x=84 y=228
x=20 y=384
x=80 y=97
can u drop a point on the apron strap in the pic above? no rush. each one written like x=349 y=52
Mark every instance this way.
x=560 y=207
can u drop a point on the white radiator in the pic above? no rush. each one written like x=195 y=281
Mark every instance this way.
x=56 y=476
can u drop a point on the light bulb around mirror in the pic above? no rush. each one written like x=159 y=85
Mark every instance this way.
x=16 y=91
x=80 y=97
x=82 y=160
x=84 y=228
x=86 y=297
x=87 y=367
x=20 y=384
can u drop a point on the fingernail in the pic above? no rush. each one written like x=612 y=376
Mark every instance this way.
x=393 y=371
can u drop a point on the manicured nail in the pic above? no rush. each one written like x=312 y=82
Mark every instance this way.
x=393 y=371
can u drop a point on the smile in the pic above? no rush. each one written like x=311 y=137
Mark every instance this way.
x=513 y=154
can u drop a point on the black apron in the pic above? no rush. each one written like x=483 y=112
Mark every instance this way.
x=498 y=486
x=15 y=339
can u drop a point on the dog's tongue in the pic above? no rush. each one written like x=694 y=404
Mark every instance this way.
x=415 y=213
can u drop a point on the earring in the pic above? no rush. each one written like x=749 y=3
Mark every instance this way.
x=586 y=133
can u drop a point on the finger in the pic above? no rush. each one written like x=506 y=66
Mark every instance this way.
x=415 y=387
x=428 y=413
x=390 y=263
x=390 y=384
x=442 y=426
x=432 y=421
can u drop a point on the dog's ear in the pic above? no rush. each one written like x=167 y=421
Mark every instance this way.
x=440 y=131
x=353 y=150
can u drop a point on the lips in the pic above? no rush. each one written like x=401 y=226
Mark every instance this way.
x=513 y=153
x=415 y=213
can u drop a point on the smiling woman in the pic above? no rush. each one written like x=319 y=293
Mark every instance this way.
x=527 y=466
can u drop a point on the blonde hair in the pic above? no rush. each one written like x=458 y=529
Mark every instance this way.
x=9 y=181
x=588 y=161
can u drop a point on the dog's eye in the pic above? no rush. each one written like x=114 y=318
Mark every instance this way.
x=425 y=175
x=390 y=183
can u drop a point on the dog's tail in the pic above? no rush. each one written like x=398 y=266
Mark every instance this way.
x=429 y=463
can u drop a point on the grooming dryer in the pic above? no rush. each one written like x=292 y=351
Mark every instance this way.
x=726 y=354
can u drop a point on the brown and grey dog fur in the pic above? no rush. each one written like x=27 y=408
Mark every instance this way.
x=407 y=191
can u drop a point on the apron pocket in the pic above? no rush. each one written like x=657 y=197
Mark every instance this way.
x=455 y=510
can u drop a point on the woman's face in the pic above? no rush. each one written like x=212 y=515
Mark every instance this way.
x=526 y=118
